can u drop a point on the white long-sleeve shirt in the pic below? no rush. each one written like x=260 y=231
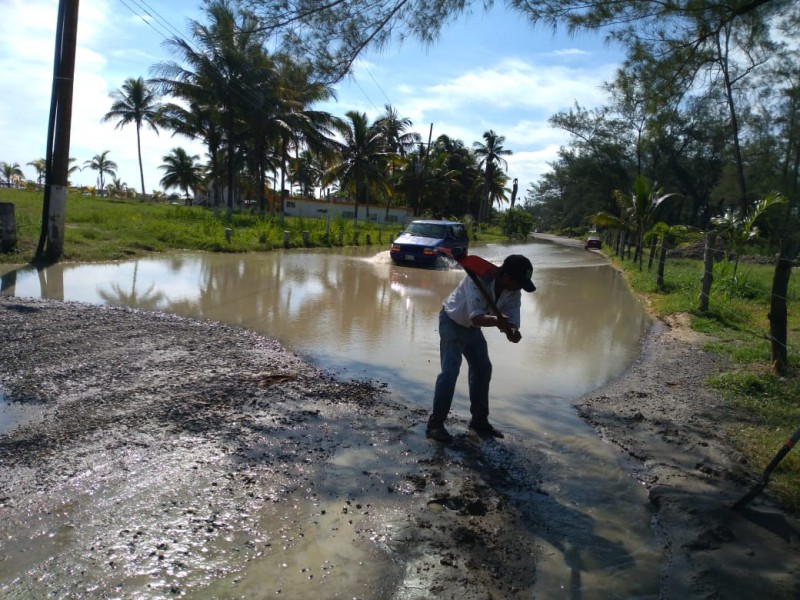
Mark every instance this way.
x=466 y=302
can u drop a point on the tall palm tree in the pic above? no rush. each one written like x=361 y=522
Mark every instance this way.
x=461 y=160
x=399 y=140
x=200 y=121
x=11 y=171
x=219 y=72
x=293 y=124
x=362 y=155
x=40 y=165
x=490 y=155
x=498 y=190
x=135 y=102
x=181 y=171
x=104 y=165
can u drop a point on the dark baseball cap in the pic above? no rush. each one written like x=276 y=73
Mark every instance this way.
x=520 y=269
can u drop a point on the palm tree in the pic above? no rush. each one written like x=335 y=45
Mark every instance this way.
x=638 y=211
x=200 y=121
x=180 y=171
x=135 y=102
x=40 y=165
x=498 y=190
x=398 y=140
x=738 y=230
x=461 y=160
x=11 y=171
x=306 y=171
x=290 y=122
x=105 y=166
x=221 y=70
x=490 y=156
x=359 y=167
x=117 y=187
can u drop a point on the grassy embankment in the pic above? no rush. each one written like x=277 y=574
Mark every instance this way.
x=738 y=324
x=101 y=229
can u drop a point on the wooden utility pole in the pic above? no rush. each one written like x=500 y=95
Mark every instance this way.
x=51 y=240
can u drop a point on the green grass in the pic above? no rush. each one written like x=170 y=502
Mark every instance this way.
x=104 y=229
x=738 y=325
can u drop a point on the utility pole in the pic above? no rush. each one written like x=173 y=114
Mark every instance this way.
x=51 y=240
x=420 y=169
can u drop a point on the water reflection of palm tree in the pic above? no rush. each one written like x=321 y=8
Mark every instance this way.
x=117 y=296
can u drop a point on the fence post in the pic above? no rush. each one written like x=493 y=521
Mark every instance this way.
x=285 y=239
x=708 y=271
x=8 y=227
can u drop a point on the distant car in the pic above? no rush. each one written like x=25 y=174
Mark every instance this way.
x=593 y=242
x=421 y=241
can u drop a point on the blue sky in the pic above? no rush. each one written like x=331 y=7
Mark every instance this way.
x=486 y=72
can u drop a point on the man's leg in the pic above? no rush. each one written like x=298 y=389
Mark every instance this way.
x=480 y=374
x=450 y=352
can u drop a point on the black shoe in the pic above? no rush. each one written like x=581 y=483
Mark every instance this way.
x=486 y=430
x=438 y=433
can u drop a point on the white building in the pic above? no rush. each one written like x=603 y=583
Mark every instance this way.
x=310 y=208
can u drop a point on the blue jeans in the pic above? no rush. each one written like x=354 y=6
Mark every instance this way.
x=456 y=341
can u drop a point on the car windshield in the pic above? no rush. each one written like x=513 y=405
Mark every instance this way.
x=430 y=230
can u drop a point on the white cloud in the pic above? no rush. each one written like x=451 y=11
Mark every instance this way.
x=464 y=85
x=513 y=96
x=113 y=44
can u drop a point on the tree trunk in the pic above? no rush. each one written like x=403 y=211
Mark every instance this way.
x=653 y=242
x=640 y=251
x=662 y=260
x=708 y=271
x=778 y=310
x=723 y=56
x=139 y=154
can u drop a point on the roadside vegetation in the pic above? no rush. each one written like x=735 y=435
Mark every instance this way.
x=738 y=327
x=104 y=229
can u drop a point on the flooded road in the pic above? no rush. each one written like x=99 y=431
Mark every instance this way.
x=356 y=313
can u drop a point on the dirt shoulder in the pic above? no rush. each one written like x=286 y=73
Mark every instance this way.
x=673 y=427
x=162 y=457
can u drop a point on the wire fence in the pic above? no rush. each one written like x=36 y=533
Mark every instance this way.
x=735 y=288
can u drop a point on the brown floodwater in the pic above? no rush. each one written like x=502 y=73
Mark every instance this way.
x=353 y=311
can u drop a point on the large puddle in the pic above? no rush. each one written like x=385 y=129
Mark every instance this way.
x=355 y=312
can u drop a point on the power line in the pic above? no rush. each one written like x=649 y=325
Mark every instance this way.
x=155 y=19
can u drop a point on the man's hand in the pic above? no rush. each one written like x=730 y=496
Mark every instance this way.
x=513 y=335
x=503 y=324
